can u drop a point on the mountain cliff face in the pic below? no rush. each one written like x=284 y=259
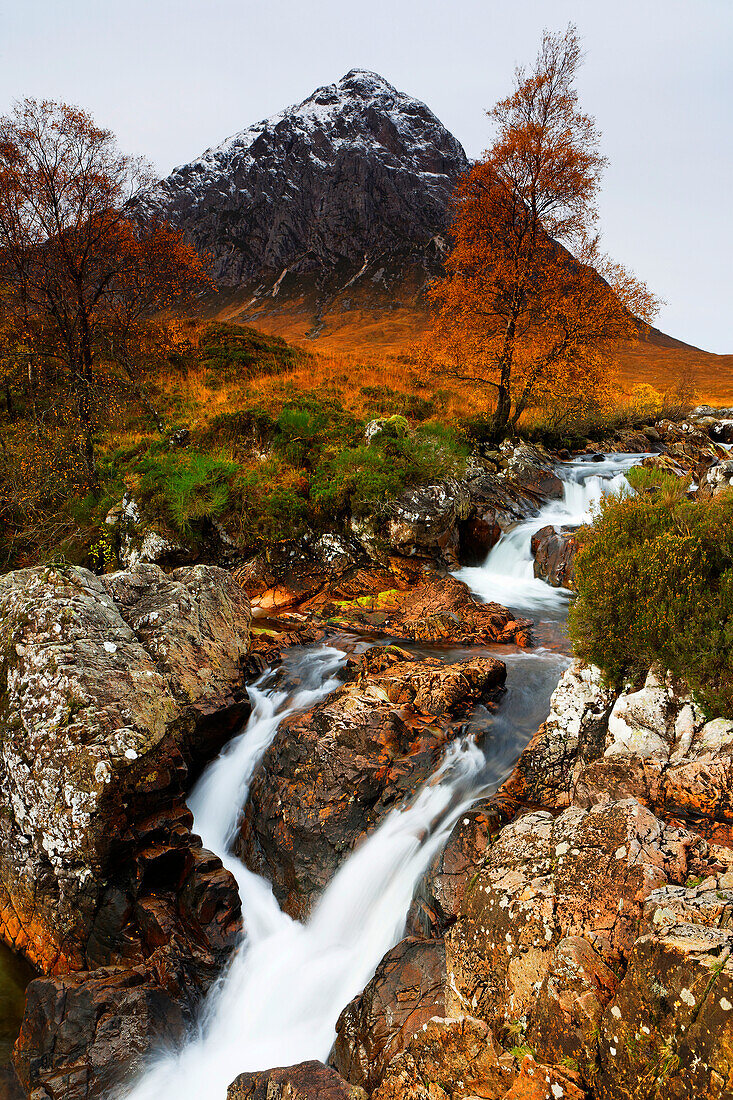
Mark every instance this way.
x=341 y=200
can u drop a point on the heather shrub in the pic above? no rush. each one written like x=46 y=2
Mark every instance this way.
x=655 y=585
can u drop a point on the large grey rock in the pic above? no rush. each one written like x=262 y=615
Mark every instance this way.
x=94 y=726
x=112 y=687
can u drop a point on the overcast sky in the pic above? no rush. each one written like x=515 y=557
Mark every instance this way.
x=171 y=77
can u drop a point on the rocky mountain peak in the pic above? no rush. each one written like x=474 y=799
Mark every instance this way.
x=351 y=186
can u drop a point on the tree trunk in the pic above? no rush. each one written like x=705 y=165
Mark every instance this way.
x=84 y=404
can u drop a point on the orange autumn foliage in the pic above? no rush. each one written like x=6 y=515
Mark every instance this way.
x=82 y=264
x=529 y=307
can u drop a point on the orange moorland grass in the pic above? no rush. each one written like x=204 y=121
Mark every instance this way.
x=361 y=341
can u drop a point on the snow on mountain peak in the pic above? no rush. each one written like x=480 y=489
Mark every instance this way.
x=356 y=167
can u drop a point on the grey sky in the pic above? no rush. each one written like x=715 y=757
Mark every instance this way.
x=172 y=77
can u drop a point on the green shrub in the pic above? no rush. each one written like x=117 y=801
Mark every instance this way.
x=653 y=479
x=360 y=480
x=655 y=586
x=232 y=352
x=185 y=487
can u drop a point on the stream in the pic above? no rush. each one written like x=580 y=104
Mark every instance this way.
x=278 y=1001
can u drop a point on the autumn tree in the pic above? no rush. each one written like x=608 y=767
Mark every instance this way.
x=82 y=266
x=529 y=302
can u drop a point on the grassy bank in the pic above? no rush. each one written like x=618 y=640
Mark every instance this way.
x=262 y=437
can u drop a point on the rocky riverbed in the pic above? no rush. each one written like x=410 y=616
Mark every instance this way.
x=566 y=918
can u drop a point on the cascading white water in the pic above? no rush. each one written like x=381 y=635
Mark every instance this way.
x=278 y=1001
x=507 y=575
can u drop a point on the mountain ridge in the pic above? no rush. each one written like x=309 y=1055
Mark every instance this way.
x=326 y=221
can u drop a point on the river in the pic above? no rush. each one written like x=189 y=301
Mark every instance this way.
x=278 y=1001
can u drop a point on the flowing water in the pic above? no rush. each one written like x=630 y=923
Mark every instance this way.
x=278 y=1001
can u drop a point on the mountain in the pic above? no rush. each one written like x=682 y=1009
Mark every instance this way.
x=325 y=222
x=336 y=203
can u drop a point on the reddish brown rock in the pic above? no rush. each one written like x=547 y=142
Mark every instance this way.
x=407 y=990
x=442 y=610
x=668 y=1033
x=539 y=1082
x=660 y=749
x=441 y=891
x=565 y=1017
x=582 y=874
x=554 y=556
x=306 y=1081
x=332 y=773
x=83 y=1034
x=448 y=1059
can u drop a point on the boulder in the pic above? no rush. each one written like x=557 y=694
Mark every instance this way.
x=532 y=470
x=554 y=556
x=107 y=707
x=668 y=1032
x=82 y=1035
x=660 y=748
x=539 y=1082
x=718 y=478
x=195 y=624
x=129 y=537
x=439 y=610
x=332 y=773
x=424 y=522
x=306 y=1081
x=573 y=734
x=295 y=570
x=407 y=990
x=448 y=1059
x=584 y=873
x=96 y=728
x=441 y=891
x=564 y=1019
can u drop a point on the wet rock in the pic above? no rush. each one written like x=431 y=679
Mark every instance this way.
x=448 y=1059
x=440 y=610
x=407 y=990
x=295 y=570
x=573 y=734
x=306 y=1081
x=84 y=1034
x=531 y=469
x=332 y=773
x=441 y=891
x=554 y=556
x=424 y=522
x=581 y=874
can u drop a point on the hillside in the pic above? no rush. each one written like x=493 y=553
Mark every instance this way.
x=325 y=222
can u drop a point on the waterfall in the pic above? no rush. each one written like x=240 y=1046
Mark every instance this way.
x=278 y=1000
x=507 y=575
